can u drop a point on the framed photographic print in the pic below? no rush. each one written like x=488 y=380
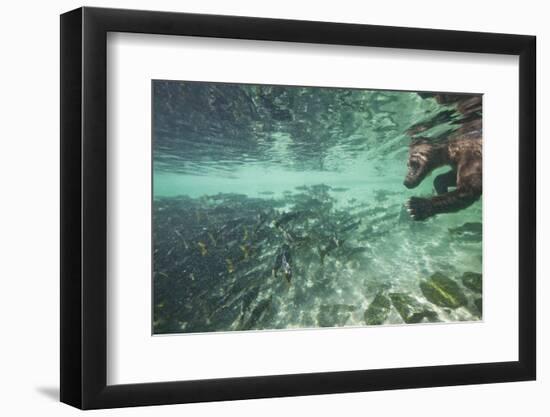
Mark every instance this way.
x=257 y=207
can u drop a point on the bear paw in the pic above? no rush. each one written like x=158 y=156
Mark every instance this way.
x=419 y=208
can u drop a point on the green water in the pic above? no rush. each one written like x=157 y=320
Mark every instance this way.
x=231 y=161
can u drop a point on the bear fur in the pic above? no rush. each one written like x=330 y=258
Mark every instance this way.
x=461 y=150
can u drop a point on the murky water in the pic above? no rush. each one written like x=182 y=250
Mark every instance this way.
x=283 y=207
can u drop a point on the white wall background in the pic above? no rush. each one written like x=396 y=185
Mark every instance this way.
x=29 y=237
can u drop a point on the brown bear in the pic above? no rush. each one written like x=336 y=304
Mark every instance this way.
x=463 y=154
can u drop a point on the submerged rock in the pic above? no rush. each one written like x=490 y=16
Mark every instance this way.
x=478 y=302
x=378 y=310
x=443 y=291
x=410 y=310
x=472 y=281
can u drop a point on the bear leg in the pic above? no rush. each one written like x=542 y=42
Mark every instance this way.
x=443 y=181
x=421 y=208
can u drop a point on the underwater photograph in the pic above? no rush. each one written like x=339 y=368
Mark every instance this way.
x=300 y=207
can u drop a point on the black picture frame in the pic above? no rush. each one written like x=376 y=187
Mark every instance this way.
x=84 y=207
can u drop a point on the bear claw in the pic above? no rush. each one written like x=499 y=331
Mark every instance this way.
x=419 y=208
